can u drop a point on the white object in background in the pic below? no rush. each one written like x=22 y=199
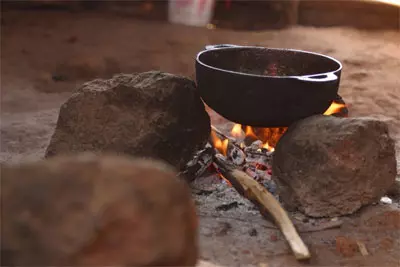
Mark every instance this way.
x=191 y=12
x=386 y=200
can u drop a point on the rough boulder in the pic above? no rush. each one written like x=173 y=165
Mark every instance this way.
x=151 y=114
x=329 y=166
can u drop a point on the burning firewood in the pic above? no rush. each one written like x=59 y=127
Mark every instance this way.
x=229 y=159
x=254 y=159
x=265 y=201
x=229 y=147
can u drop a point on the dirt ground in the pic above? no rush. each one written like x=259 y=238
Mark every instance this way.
x=45 y=55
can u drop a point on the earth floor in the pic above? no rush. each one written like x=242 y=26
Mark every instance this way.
x=45 y=55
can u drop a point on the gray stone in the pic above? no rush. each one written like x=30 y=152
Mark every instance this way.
x=329 y=166
x=87 y=210
x=151 y=114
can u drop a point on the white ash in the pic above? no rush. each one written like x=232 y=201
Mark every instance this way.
x=257 y=163
x=255 y=160
x=210 y=195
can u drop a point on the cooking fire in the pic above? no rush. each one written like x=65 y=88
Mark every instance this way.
x=248 y=148
x=269 y=136
x=251 y=148
x=243 y=160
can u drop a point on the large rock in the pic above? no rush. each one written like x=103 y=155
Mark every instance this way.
x=96 y=211
x=149 y=114
x=329 y=166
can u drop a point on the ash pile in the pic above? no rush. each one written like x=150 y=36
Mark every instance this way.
x=243 y=149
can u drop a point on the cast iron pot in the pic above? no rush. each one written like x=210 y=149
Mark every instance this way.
x=266 y=87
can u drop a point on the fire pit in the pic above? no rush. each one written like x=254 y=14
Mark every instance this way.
x=324 y=165
x=243 y=158
x=298 y=83
x=249 y=148
x=252 y=147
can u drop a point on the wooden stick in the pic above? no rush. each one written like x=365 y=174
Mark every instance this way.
x=256 y=193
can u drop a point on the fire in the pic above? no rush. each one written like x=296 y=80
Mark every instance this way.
x=268 y=136
x=237 y=131
x=250 y=132
x=220 y=145
x=334 y=108
x=268 y=147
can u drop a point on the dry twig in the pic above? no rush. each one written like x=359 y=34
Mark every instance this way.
x=265 y=201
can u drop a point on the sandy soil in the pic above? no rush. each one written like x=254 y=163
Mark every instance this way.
x=44 y=56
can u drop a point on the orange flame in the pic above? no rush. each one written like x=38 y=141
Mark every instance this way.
x=268 y=147
x=220 y=145
x=334 y=108
x=269 y=136
x=237 y=131
x=250 y=132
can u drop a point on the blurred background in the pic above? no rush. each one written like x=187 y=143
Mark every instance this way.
x=240 y=15
x=50 y=47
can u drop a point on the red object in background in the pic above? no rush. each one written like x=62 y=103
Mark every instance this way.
x=182 y=3
x=202 y=4
x=228 y=4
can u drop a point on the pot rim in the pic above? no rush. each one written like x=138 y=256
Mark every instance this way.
x=268 y=76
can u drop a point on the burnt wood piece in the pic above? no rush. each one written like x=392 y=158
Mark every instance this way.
x=199 y=164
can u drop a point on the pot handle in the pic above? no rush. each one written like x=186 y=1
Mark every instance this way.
x=210 y=47
x=327 y=77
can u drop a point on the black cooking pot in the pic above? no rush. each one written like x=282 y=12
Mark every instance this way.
x=266 y=87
